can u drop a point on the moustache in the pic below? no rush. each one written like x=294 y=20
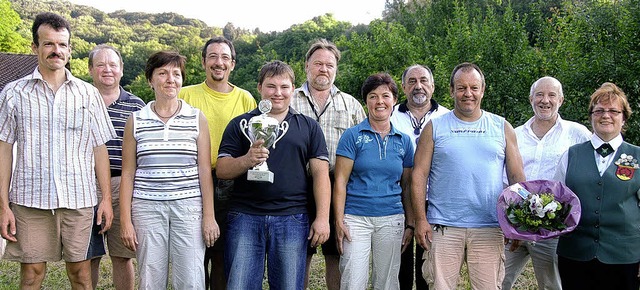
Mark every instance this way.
x=55 y=55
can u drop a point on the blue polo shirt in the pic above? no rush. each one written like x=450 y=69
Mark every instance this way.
x=287 y=194
x=374 y=187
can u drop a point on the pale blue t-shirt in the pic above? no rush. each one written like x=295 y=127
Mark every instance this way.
x=374 y=187
x=466 y=171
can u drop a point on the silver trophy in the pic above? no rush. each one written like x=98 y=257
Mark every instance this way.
x=265 y=128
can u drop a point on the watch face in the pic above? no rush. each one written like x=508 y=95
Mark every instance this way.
x=265 y=106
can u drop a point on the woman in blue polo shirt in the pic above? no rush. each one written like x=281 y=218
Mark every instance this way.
x=372 y=166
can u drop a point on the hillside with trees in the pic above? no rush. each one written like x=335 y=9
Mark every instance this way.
x=583 y=43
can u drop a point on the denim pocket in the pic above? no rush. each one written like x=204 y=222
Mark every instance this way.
x=300 y=218
x=232 y=216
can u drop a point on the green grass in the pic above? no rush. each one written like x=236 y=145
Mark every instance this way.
x=56 y=277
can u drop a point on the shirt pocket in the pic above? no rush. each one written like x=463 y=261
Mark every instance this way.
x=342 y=121
x=78 y=117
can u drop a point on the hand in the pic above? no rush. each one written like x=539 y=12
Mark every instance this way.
x=342 y=232
x=128 y=235
x=406 y=238
x=105 y=215
x=257 y=154
x=423 y=234
x=8 y=225
x=210 y=231
x=514 y=244
x=318 y=232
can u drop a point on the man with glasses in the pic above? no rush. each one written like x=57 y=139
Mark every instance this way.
x=410 y=117
x=220 y=101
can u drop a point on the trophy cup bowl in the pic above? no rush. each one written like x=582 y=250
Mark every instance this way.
x=265 y=128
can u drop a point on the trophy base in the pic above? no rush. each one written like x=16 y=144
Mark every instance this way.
x=260 y=175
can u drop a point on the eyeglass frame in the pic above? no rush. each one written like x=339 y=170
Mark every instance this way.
x=601 y=112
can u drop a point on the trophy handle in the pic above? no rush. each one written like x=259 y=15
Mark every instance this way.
x=244 y=126
x=284 y=127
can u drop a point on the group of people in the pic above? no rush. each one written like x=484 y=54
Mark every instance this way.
x=166 y=182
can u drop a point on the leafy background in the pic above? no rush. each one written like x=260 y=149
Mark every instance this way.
x=582 y=43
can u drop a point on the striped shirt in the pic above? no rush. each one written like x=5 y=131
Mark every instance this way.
x=166 y=154
x=119 y=112
x=341 y=112
x=55 y=134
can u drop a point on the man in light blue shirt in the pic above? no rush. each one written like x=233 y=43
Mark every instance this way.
x=463 y=154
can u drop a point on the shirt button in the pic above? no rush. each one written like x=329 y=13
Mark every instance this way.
x=599 y=182
x=597 y=212
x=598 y=198
x=597 y=226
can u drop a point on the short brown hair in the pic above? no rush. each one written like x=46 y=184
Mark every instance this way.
x=376 y=80
x=323 y=44
x=162 y=58
x=465 y=66
x=56 y=21
x=609 y=93
x=276 y=68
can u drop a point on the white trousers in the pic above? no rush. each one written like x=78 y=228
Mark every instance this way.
x=169 y=231
x=376 y=237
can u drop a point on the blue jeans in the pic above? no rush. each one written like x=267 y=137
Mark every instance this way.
x=282 y=239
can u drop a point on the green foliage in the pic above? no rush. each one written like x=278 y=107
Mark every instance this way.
x=80 y=68
x=582 y=43
x=141 y=88
x=10 y=39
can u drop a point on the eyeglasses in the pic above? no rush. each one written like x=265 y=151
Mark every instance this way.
x=224 y=57
x=600 y=112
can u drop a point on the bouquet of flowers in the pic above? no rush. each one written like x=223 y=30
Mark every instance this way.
x=537 y=210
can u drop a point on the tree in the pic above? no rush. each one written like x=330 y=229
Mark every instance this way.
x=10 y=40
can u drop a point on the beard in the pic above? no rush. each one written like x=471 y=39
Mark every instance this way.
x=419 y=99
x=217 y=78
x=321 y=83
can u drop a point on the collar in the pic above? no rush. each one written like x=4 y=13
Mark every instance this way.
x=149 y=114
x=291 y=112
x=403 y=106
x=124 y=96
x=70 y=78
x=559 y=124
x=211 y=91
x=366 y=126
x=615 y=142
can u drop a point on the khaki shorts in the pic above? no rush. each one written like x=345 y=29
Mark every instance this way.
x=114 y=241
x=46 y=235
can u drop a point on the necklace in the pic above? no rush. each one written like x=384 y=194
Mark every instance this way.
x=166 y=117
x=417 y=125
x=383 y=132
